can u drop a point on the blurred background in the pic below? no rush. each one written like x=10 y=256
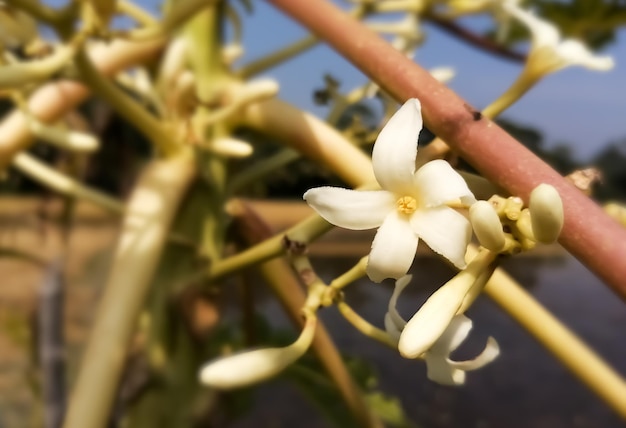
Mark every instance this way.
x=575 y=119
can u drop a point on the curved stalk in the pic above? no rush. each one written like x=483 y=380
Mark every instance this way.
x=63 y=184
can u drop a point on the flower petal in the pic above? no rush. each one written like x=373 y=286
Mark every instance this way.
x=574 y=52
x=437 y=182
x=391 y=328
x=452 y=338
x=445 y=231
x=351 y=209
x=439 y=370
x=391 y=308
x=393 y=249
x=543 y=33
x=491 y=351
x=393 y=156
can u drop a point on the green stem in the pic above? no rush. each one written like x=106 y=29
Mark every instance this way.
x=260 y=65
x=522 y=84
x=126 y=106
x=261 y=169
x=365 y=327
x=63 y=184
x=304 y=232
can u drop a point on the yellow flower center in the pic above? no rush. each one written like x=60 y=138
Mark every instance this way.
x=406 y=205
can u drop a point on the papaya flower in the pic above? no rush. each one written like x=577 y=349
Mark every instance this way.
x=440 y=367
x=549 y=52
x=412 y=204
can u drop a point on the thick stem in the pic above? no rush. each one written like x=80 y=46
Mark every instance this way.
x=311 y=137
x=589 y=234
x=150 y=211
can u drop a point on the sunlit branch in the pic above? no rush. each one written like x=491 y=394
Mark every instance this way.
x=63 y=184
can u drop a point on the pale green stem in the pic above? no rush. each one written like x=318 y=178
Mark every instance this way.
x=128 y=108
x=262 y=64
x=181 y=11
x=204 y=35
x=63 y=184
x=39 y=10
x=261 y=169
x=149 y=213
x=524 y=82
x=365 y=327
x=303 y=233
x=275 y=58
x=13 y=76
x=356 y=272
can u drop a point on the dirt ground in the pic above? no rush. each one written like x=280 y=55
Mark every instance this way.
x=28 y=227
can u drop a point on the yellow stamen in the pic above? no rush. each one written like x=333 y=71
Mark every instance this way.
x=407 y=205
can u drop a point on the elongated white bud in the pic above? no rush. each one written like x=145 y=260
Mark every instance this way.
x=487 y=226
x=546 y=213
x=250 y=367
x=257 y=90
x=230 y=147
x=436 y=314
x=63 y=137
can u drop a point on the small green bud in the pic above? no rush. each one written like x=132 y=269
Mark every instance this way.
x=546 y=213
x=513 y=207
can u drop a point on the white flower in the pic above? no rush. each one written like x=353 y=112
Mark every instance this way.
x=412 y=204
x=440 y=368
x=549 y=53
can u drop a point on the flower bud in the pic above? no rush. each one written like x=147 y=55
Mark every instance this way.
x=513 y=207
x=546 y=213
x=249 y=367
x=487 y=226
x=63 y=137
x=231 y=147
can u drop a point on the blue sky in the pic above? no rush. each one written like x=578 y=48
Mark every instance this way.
x=585 y=109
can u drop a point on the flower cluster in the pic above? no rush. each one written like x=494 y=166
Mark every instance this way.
x=412 y=204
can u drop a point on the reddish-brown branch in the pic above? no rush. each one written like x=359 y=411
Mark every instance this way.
x=474 y=39
x=589 y=234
